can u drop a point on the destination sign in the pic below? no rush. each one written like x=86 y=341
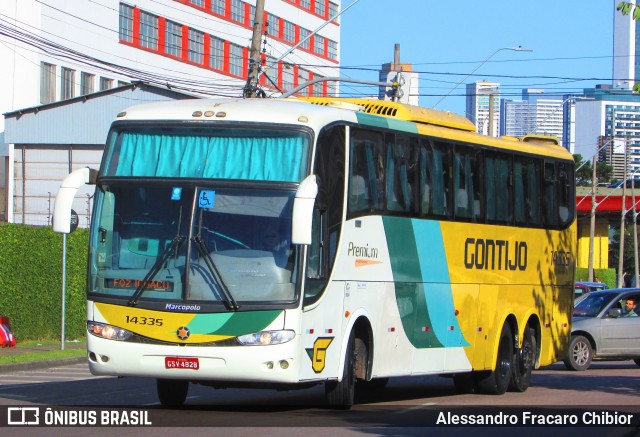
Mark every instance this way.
x=133 y=284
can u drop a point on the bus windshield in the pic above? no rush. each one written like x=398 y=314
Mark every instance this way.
x=176 y=242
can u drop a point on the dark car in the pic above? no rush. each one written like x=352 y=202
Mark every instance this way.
x=605 y=325
x=582 y=288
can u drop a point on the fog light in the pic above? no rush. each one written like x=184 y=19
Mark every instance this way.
x=270 y=365
x=284 y=364
x=104 y=358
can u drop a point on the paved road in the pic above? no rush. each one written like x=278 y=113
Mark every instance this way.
x=403 y=408
x=75 y=372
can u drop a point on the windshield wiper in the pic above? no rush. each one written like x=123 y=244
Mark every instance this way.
x=230 y=302
x=168 y=251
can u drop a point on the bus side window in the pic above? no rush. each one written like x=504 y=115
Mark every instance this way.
x=519 y=183
x=550 y=204
x=366 y=173
x=498 y=189
x=533 y=192
x=463 y=183
x=399 y=190
x=424 y=182
x=566 y=202
x=440 y=178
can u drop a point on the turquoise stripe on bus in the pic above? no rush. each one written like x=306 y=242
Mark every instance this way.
x=423 y=293
x=372 y=120
x=385 y=122
x=435 y=272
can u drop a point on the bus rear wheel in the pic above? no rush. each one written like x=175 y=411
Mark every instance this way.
x=523 y=362
x=172 y=392
x=341 y=394
x=497 y=381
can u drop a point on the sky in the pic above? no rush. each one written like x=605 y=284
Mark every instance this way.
x=445 y=40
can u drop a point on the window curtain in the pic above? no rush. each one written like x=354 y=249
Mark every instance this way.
x=253 y=158
x=439 y=194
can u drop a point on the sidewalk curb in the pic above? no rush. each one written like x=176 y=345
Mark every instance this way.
x=36 y=365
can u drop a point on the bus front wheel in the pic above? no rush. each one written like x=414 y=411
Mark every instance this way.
x=497 y=381
x=172 y=392
x=341 y=394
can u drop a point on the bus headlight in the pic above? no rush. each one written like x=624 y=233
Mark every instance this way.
x=265 y=338
x=109 y=332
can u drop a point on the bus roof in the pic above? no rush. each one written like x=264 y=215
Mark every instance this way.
x=400 y=111
x=316 y=112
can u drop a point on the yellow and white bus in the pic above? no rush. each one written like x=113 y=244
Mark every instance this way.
x=290 y=242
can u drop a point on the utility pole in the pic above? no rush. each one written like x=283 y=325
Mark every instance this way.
x=592 y=227
x=251 y=88
x=622 y=216
x=491 y=113
x=398 y=68
x=635 y=230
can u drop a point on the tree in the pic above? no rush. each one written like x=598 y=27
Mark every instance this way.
x=614 y=249
x=584 y=171
x=625 y=8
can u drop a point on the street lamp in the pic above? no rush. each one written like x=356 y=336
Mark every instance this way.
x=515 y=49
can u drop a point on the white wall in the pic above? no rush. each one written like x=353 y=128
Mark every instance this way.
x=623 y=50
x=589 y=124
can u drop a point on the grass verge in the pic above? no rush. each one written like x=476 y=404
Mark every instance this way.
x=30 y=351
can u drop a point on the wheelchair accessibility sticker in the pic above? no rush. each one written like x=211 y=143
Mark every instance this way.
x=205 y=200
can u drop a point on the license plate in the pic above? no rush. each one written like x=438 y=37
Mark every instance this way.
x=181 y=363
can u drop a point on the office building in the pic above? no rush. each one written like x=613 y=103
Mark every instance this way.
x=483 y=107
x=535 y=113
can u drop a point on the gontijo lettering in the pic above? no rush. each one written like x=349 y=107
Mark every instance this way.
x=485 y=254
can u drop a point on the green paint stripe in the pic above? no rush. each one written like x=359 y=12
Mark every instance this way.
x=206 y=323
x=407 y=275
x=414 y=315
x=403 y=252
x=404 y=126
x=372 y=120
x=385 y=122
x=248 y=322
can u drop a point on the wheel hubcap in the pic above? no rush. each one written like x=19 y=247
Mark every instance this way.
x=580 y=353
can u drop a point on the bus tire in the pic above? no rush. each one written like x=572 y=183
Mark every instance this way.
x=341 y=394
x=172 y=392
x=580 y=354
x=523 y=362
x=497 y=381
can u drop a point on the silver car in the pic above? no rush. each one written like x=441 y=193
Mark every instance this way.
x=606 y=325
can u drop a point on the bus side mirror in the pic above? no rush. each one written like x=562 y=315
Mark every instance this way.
x=303 y=210
x=64 y=198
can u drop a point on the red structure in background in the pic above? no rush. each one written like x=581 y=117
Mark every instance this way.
x=608 y=204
